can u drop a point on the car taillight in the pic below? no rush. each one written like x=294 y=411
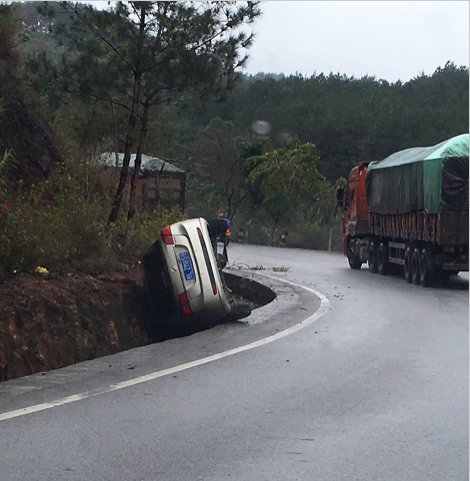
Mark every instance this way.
x=167 y=236
x=185 y=305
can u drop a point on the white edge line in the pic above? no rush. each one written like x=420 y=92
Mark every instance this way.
x=182 y=367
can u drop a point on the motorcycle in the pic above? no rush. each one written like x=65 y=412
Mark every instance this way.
x=225 y=237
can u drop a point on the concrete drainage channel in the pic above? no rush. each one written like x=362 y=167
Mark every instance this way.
x=249 y=288
x=241 y=285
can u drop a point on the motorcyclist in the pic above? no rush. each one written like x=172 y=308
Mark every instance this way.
x=227 y=235
x=223 y=216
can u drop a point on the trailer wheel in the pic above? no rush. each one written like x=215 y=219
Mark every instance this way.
x=353 y=258
x=407 y=266
x=372 y=257
x=427 y=271
x=382 y=259
x=415 y=268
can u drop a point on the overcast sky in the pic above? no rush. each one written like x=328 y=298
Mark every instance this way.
x=391 y=40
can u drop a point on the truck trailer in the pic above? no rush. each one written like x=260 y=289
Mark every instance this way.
x=409 y=211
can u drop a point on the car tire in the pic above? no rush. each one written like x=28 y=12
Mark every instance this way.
x=239 y=311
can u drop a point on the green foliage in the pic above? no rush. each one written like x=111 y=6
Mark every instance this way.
x=316 y=235
x=221 y=161
x=136 y=55
x=9 y=39
x=287 y=182
x=286 y=177
x=137 y=235
x=217 y=162
x=82 y=64
x=350 y=119
x=203 y=197
x=60 y=224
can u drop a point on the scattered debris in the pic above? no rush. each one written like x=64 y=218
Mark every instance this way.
x=41 y=270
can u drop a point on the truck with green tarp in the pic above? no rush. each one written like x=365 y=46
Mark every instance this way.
x=410 y=210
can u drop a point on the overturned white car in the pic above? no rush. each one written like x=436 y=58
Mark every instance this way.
x=182 y=274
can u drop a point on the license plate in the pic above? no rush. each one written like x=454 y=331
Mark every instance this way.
x=187 y=267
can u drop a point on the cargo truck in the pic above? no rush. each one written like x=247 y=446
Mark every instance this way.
x=410 y=211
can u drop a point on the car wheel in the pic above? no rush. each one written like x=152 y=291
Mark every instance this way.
x=239 y=311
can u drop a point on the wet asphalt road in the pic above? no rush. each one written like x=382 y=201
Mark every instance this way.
x=376 y=388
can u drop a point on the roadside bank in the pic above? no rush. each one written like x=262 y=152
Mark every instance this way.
x=49 y=322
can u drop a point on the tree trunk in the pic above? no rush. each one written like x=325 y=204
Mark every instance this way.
x=113 y=217
x=116 y=148
x=130 y=135
x=138 y=162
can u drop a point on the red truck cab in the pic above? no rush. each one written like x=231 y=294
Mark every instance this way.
x=355 y=205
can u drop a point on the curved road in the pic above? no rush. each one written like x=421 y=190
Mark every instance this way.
x=369 y=382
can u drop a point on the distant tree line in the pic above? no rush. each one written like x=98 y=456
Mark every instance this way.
x=349 y=119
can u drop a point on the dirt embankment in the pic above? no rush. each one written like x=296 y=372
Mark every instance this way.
x=47 y=322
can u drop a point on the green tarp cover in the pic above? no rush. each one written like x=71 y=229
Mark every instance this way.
x=420 y=179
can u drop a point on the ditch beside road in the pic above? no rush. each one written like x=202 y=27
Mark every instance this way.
x=48 y=321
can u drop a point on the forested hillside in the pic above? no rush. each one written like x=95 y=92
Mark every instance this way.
x=352 y=119
x=226 y=138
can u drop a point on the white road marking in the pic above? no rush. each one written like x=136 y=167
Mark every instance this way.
x=165 y=372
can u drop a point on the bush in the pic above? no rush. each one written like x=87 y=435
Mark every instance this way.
x=61 y=223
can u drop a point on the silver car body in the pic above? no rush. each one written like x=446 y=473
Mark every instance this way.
x=192 y=270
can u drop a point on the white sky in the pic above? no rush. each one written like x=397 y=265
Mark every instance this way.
x=391 y=40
